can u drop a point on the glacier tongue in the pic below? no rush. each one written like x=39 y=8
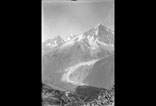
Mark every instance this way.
x=72 y=69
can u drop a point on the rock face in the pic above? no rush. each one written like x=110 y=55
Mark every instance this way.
x=85 y=59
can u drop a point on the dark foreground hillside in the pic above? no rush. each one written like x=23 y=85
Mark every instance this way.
x=81 y=96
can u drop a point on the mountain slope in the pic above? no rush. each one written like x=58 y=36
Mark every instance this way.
x=85 y=59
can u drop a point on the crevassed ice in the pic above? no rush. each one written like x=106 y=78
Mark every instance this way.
x=70 y=70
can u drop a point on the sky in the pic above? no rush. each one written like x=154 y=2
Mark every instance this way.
x=66 y=18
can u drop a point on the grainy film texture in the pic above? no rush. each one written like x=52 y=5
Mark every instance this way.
x=78 y=53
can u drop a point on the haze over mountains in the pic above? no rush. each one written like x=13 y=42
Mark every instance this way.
x=65 y=18
x=85 y=59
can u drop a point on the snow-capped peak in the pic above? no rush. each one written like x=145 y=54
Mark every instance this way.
x=54 y=42
x=70 y=37
x=95 y=38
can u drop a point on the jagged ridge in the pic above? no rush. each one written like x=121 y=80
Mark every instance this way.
x=99 y=35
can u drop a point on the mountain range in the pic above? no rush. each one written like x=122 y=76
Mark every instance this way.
x=84 y=59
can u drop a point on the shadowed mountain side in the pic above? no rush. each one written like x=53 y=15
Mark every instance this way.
x=102 y=74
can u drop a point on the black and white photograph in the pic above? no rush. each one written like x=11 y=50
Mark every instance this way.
x=78 y=53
